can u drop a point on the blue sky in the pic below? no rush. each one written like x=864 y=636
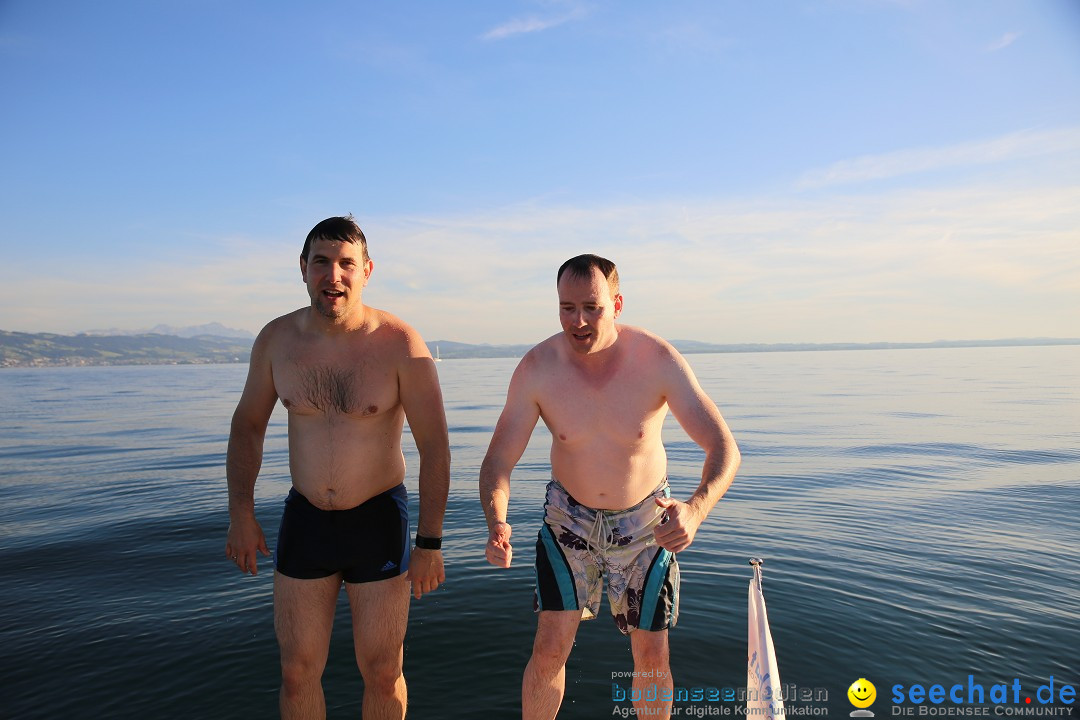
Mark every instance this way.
x=811 y=171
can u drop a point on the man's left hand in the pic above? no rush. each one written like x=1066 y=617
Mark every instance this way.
x=425 y=571
x=678 y=531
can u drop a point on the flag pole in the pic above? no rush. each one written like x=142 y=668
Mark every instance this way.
x=764 y=697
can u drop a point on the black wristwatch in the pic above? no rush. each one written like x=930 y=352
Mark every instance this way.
x=428 y=543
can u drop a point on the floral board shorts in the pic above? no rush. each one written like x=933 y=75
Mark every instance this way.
x=578 y=544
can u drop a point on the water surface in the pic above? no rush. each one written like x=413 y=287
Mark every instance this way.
x=917 y=510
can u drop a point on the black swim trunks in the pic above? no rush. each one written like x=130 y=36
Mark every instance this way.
x=366 y=543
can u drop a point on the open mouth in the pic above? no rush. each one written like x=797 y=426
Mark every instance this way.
x=333 y=293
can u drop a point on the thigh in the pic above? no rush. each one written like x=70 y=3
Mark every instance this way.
x=555 y=632
x=374 y=543
x=568 y=576
x=304 y=616
x=643 y=587
x=380 y=614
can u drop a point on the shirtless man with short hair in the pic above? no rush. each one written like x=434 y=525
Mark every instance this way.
x=603 y=391
x=349 y=376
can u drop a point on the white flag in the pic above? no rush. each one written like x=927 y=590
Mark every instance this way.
x=763 y=695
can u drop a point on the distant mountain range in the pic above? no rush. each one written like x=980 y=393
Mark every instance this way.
x=212 y=346
x=49 y=350
x=215 y=328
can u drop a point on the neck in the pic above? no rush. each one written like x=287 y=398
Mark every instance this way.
x=355 y=319
x=597 y=359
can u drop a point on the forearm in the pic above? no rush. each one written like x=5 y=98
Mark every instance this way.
x=494 y=493
x=434 y=489
x=718 y=473
x=242 y=465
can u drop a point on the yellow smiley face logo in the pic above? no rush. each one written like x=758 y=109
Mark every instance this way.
x=862 y=693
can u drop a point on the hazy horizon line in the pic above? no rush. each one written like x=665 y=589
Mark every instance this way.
x=733 y=343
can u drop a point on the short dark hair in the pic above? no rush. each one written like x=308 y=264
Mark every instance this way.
x=336 y=229
x=582 y=266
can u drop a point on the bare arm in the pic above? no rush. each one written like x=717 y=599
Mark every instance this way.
x=701 y=420
x=422 y=401
x=244 y=458
x=508 y=442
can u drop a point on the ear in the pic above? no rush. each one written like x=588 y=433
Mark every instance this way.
x=303 y=269
x=368 y=267
x=618 y=305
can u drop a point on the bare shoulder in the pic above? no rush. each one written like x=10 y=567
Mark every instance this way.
x=537 y=364
x=396 y=335
x=278 y=330
x=649 y=347
x=655 y=358
x=542 y=358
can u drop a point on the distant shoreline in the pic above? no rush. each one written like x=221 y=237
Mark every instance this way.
x=29 y=350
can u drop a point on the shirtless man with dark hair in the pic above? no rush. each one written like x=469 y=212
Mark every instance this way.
x=603 y=390
x=349 y=376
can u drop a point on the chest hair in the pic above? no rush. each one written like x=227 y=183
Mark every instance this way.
x=330 y=389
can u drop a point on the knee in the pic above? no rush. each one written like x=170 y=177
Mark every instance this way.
x=297 y=674
x=381 y=674
x=550 y=650
x=651 y=656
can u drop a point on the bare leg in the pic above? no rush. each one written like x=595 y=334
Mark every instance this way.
x=303 y=619
x=545 y=676
x=380 y=613
x=651 y=671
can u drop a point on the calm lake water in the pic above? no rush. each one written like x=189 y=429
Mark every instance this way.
x=919 y=512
